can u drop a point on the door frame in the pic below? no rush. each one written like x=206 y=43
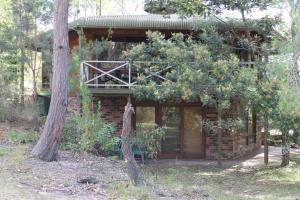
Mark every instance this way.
x=158 y=120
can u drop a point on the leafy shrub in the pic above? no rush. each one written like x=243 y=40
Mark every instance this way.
x=92 y=135
x=228 y=125
x=71 y=135
x=89 y=132
x=100 y=137
x=13 y=111
x=148 y=137
x=23 y=137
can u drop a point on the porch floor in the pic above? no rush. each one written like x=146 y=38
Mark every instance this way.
x=253 y=160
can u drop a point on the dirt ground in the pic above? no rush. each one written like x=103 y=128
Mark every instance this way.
x=26 y=178
x=23 y=177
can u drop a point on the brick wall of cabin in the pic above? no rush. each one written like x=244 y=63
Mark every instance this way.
x=112 y=109
x=240 y=146
x=234 y=145
x=211 y=146
x=74 y=106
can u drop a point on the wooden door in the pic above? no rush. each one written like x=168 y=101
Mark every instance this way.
x=193 y=136
x=171 y=145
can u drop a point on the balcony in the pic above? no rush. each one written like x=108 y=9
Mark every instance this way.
x=114 y=77
x=120 y=77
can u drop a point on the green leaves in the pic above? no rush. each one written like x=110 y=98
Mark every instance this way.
x=191 y=71
x=184 y=8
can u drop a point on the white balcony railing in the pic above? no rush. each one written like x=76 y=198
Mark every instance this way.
x=119 y=74
x=113 y=74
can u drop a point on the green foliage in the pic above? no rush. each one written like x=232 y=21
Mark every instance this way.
x=70 y=140
x=186 y=7
x=11 y=110
x=198 y=72
x=204 y=7
x=148 y=138
x=228 y=125
x=18 y=38
x=240 y=5
x=96 y=135
x=17 y=137
x=85 y=51
x=88 y=132
x=4 y=151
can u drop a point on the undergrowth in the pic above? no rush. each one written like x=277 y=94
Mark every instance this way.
x=89 y=132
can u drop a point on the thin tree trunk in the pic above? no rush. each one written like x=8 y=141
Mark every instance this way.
x=294 y=77
x=285 y=149
x=34 y=86
x=34 y=64
x=243 y=15
x=22 y=75
x=219 y=135
x=47 y=147
x=132 y=168
x=266 y=142
x=22 y=48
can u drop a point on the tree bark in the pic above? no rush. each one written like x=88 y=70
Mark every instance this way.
x=47 y=147
x=22 y=75
x=132 y=168
x=219 y=135
x=285 y=149
x=266 y=142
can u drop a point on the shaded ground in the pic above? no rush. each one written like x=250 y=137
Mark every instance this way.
x=56 y=180
x=22 y=177
x=256 y=159
x=240 y=179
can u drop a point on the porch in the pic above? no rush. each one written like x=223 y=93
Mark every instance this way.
x=120 y=77
x=116 y=77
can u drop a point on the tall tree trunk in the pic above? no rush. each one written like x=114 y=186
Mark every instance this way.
x=47 y=147
x=132 y=168
x=285 y=149
x=219 y=135
x=266 y=141
x=22 y=75
x=294 y=77
x=34 y=64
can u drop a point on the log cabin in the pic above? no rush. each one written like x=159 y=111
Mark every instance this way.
x=110 y=80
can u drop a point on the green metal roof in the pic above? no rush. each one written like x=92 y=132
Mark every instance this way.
x=134 y=22
x=161 y=22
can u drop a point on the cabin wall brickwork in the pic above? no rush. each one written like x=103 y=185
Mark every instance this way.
x=112 y=109
x=74 y=106
x=234 y=145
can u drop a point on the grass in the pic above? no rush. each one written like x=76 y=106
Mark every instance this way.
x=15 y=152
x=4 y=151
x=22 y=137
x=264 y=183
x=125 y=191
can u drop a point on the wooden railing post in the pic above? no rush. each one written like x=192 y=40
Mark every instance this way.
x=81 y=74
x=129 y=75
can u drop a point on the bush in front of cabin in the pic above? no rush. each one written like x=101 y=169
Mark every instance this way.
x=89 y=132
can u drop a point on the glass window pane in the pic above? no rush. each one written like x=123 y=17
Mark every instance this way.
x=145 y=116
x=171 y=120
